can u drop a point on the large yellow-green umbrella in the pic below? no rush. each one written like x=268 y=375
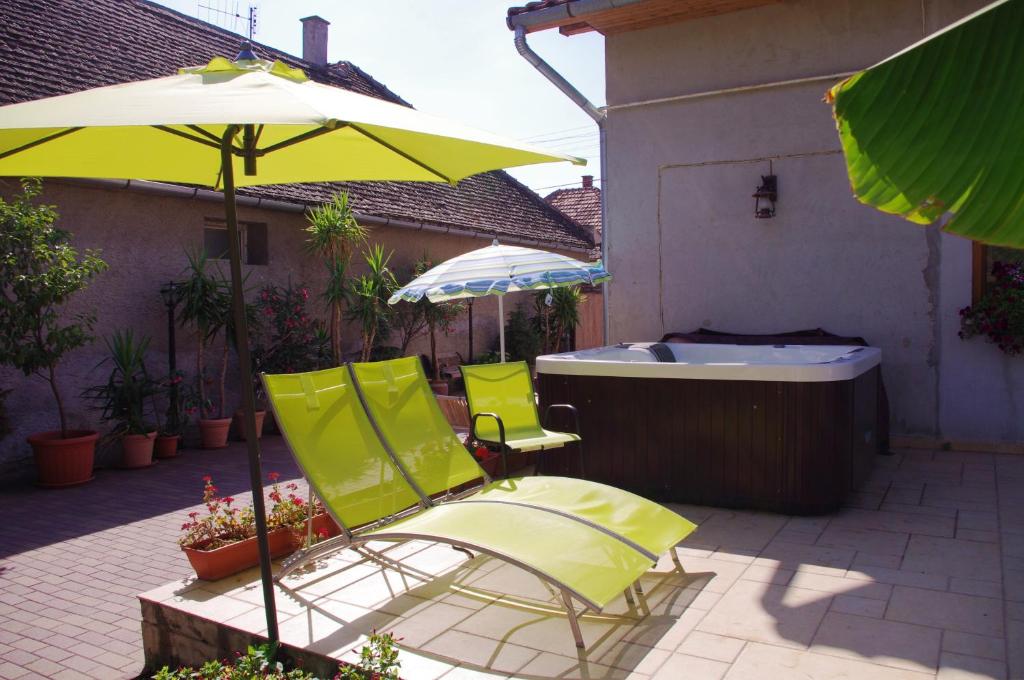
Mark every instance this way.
x=242 y=123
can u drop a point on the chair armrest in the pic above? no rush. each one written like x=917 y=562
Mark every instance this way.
x=501 y=436
x=501 y=426
x=569 y=407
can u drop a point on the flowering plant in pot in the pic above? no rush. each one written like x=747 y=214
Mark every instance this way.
x=222 y=541
x=40 y=271
x=124 y=396
x=999 y=314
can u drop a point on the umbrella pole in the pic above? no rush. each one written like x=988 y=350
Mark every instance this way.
x=501 y=327
x=245 y=369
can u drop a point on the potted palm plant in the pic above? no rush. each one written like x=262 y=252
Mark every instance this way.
x=370 y=299
x=40 y=271
x=205 y=306
x=123 y=398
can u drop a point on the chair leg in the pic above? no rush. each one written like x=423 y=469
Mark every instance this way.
x=629 y=598
x=574 y=623
x=675 y=559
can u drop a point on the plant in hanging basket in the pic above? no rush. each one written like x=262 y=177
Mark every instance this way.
x=999 y=314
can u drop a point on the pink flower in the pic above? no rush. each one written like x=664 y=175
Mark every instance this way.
x=207 y=479
x=273 y=476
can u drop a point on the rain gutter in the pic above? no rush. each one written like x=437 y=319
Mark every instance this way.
x=196 y=193
x=520 y=23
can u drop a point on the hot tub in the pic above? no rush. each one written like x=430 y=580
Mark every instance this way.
x=788 y=428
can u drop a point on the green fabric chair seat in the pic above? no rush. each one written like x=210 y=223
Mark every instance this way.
x=547 y=440
x=594 y=565
x=648 y=525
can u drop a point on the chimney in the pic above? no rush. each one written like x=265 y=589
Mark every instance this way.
x=314 y=40
x=588 y=181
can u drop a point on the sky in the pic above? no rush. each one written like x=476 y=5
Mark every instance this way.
x=453 y=58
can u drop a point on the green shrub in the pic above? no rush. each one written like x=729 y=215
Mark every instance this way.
x=378 y=660
x=523 y=342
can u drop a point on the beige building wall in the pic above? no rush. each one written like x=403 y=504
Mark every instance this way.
x=687 y=251
x=143 y=238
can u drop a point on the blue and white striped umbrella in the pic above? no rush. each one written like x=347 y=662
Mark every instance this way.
x=497 y=270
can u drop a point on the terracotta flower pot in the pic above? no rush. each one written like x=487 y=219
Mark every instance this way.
x=166 y=446
x=321 y=523
x=439 y=386
x=211 y=565
x=214 y=432
x=240 y=424
x=64 y=461
x=137 y=450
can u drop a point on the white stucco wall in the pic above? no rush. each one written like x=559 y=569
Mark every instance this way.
x=687 y=251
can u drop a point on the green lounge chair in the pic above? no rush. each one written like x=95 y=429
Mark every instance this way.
x=375 y=494
x=503 y=408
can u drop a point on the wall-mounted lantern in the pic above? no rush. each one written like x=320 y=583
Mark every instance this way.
x=766 y=196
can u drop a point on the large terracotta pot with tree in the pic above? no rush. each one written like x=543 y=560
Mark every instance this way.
x=39 y=273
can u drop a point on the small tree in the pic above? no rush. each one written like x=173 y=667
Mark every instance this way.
x=205 y=306
x=370 y=300
x=334 y=234
x=438 y=316
x=557 y=312
x=39 y=272
x=409 y=318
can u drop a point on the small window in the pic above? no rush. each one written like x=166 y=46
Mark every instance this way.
x=252 y=237
x=984 y=257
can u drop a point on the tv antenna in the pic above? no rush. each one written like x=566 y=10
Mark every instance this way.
x=227 y=14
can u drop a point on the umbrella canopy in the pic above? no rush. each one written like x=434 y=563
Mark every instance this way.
x=171 y=129
x=497 y=270
x=262 y=121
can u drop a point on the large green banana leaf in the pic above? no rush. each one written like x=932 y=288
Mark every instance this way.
x=939 y=128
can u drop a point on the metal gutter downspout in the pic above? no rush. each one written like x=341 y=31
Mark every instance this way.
x=518 y=24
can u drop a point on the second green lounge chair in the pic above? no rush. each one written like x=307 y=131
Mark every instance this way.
x=379 y=453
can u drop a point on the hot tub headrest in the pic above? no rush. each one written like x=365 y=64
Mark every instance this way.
x=661 y=351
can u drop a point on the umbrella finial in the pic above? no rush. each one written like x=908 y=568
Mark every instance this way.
x=494 y=242
x=246 y=53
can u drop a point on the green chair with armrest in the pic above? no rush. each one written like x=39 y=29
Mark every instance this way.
x=503 y=412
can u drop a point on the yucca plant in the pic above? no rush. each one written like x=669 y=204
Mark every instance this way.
x=334 y=234
x=370 y=298
x=123 y=398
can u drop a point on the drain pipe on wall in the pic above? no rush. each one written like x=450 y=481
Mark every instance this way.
x=518 y=23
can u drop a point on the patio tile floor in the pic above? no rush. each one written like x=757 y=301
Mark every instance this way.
x=922 y=577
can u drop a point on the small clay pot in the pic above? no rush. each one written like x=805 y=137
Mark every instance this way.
x=137 y=450
x=439 y=386
x=240 y=424
x=166 y=446
x=214 y=432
